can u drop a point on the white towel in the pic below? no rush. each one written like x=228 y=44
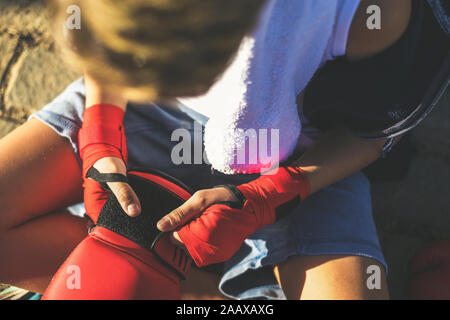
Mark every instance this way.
x=257 y=94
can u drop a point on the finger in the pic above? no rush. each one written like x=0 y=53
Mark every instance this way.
x=194 y=206
x=178 y=216
x=176 y=240
x=126 y=197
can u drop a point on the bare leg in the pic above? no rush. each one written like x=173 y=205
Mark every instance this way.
x=32 y=253
x=325 y=277
x=201 y=285
x=39 y=175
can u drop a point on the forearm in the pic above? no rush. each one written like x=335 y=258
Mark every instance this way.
x=98 y=94
x=102 y=144
x=335 y=156
x=222 y=228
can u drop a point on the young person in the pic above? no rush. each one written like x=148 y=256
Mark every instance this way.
x=153 y=50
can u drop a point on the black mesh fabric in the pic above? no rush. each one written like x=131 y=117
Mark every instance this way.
x=374 y=97
x=156 y=201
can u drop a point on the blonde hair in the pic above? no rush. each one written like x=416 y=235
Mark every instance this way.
x=154 y=48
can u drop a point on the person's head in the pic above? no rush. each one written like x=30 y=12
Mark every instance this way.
x=154 y=48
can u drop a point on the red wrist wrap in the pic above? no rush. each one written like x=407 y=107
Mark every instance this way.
x=268 y=194
x=102 y=135
x=222 y=228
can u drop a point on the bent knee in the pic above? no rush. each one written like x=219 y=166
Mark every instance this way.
x=332 y=277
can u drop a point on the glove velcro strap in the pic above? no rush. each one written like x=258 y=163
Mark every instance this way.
x=103 y=178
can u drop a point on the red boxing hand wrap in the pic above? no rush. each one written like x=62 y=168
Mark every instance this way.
x=94 y=198
x=222 y=228
x=267 y=195
x=102 y=135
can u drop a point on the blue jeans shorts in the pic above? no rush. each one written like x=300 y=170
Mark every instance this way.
x=336 y=220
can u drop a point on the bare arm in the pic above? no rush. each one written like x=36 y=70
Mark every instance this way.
x=362 y=42
x=333 y=157
x=336 y=155
x=98 y=94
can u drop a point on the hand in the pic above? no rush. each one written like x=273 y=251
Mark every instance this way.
x=222 y=228
x=115 y=259
x=192 y=208
x=124 y=193
x=103 y=146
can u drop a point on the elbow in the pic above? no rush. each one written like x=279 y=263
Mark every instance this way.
x=384 y=146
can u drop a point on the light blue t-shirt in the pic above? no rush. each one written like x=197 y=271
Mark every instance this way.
x=257 y=93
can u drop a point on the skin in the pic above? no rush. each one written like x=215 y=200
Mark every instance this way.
x=127 y=198
x=43 y=234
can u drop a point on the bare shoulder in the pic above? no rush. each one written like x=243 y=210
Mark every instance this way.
x=394 y=17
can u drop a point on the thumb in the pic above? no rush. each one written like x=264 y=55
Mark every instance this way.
x=196 y=204
x=126 y=197
x=192 y=207
x=178 y=217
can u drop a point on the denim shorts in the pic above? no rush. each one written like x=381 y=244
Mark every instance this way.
x=336 y=220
